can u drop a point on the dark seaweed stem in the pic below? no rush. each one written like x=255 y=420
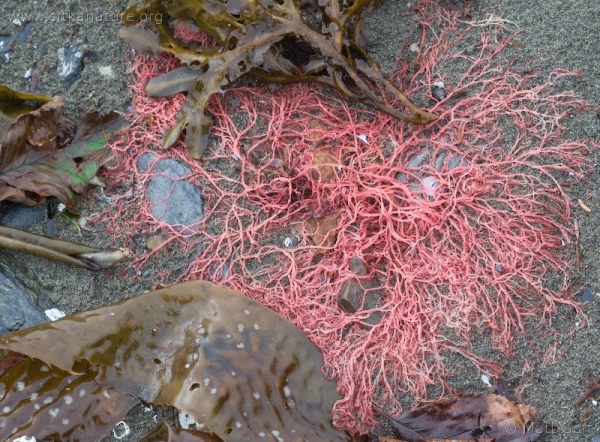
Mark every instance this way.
x=416 y=115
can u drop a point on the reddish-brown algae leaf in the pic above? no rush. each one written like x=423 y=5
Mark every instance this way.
x=42 y=154
x=473 y=417
x=226 y=360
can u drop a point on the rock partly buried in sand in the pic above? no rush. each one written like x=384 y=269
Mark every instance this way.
x=227 y=361
x=22 y=302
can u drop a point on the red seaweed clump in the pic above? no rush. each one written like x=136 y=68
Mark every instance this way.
x=455 y=225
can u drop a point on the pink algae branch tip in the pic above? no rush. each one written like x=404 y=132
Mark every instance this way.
x=457 y=224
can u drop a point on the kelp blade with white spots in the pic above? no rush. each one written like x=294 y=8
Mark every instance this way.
x=226 y=360
x=48 y=402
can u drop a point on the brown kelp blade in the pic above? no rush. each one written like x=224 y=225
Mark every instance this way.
x=163 y=432
x=227 y=361
x=46 y=402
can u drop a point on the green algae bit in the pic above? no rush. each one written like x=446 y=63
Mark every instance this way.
x=227 y=361
x=274 y=41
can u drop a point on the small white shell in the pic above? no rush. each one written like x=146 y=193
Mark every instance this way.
x=486 y=380
x=437 y=91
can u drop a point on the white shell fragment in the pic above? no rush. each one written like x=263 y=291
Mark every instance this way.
x=363 y=138
x=486 y=380
x=53 y=314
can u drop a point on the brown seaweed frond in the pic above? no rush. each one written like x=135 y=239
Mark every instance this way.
x=275 y=41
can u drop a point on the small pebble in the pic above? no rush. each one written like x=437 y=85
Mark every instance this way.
x=439 y=161
x=186 y=421
x=70 y=63
x=24 y=33
x=13 y=323
x=121 y=430
x=587 y=296
x=457 y=161
x=5 y=41
x=486 y=380
x=400 y=176
x=42 y=49
x=418 y=159
x=292 y=241
x=438 y=92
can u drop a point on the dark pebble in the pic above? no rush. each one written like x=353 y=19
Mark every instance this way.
x=19 y=216
x=24 y=34
x=42 y=49
x=70 y=63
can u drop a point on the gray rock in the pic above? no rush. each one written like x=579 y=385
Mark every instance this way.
x=42 y=49
x=418 y=160
x=24 y=33
x=587 y=296
x=5 y=41
x=20 y=216
x=439 y=161
x=457 y=161
x=22 y=300
x=172 y=200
